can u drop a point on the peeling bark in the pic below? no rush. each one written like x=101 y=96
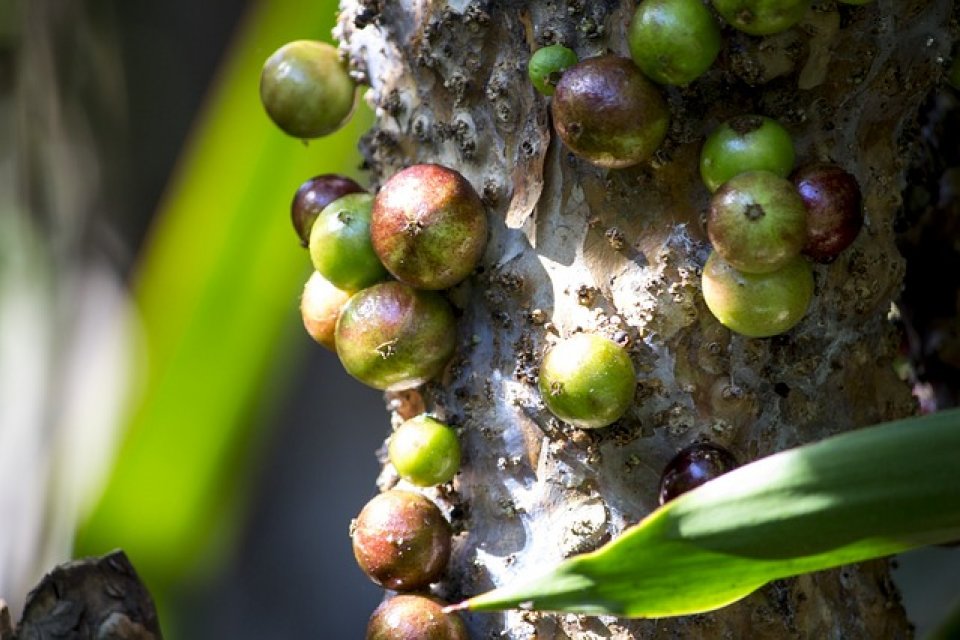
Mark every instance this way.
x=619 y=252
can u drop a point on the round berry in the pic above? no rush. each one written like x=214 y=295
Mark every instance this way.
x=673 y=41
x=414 y=617
x=762 y=17
x=320 y=307
x=547 y=65
x=425 y=451
x=340 y=245
x=834 y=209
x=757 y=305
x=757 y=222
x=429 y=227
x=401 y=540
x=313 y=196
x=306 y=90
x=745 y=143
x=608 y=113
x=587 y=380
x=392 y=337
x=697 y=464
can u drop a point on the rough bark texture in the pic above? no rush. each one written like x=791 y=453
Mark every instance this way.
x=619 y=252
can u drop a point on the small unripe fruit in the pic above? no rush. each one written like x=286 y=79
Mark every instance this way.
x=428 y=227
x=313 y=196
x=745 y=143
x=757 y=222
x=425 y=451
x=691 y=467
x=401 y=541
x=834 y=209
x=340 y=246
x=587 y=380
x=393 y=337
x=757 y=305
x=414 y=617
x=608 y=113
x=320 y=307
x=673 y=41
x=762 y=17
x=306 y=89
x=547 y=65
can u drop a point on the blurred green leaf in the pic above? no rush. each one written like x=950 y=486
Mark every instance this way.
x=861 y=495
x=218 y=289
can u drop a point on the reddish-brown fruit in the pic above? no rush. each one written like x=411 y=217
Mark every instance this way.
x=834 y=209
x=608 y=113
x=311 y=198
x=392 y=337
x=320 y=307
x=414 y=617
x=428 y=226
x=401 y=540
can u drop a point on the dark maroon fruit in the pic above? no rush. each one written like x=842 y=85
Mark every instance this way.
x=834 y=209
x=608 y=113
x=401 y=540
x=311 y=198
x=428 y=226
x=414 y=617
x=692 y=467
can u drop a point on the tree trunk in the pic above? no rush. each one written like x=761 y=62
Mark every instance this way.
x=619 y=252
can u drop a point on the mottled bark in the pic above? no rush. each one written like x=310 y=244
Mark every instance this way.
x=619 y=252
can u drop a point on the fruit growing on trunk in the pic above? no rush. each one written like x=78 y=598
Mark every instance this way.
x=340 y=245
x=762 y=17
x=313 y=196
x=547 y=65
x=425 y=451
x=414 y=617
x=692 y=467
x=745 y=143
x=673 y=41
x=834 y=209
x=320 y=307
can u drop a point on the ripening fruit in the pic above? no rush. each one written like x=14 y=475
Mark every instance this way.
x=587 y=380
x=306 y=89
x=313 y=196
x=673 y=41
x=428 y=226
x=745 y=143
x=320 y=307
x=340 y=246
x=762 y=17
x=414 y=617
x=757 y=222
x=757 y=305
x=392 y=337
x=547 y=65
x=608 y=113
x=834 y=209
x=425 y=451
x=401 y=540
x=691 y=467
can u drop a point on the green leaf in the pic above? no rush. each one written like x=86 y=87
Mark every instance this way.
x=861 y=495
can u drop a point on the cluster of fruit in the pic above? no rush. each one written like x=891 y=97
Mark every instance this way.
x=759 y=222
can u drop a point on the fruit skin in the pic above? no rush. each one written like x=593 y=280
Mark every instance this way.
x=428 y=226
x=313 y=196
x=414 y=617
x=834 y=209
x=320 y=307
x=762 y=17
x=425 y=451
x=673 y=41
x=607 y=112
x=392 y=337
x=745 y=143
x=757 y=305
x=547 y=65
x=306 y=90
x=401 y=540
x=692 y=467
x=340 y=245
x=757 y=222
x=587 y=380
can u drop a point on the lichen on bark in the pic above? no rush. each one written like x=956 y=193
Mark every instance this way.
x=619 y=252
